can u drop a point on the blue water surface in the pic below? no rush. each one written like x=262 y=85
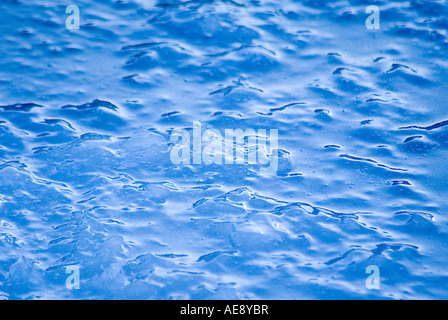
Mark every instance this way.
x=85 y=172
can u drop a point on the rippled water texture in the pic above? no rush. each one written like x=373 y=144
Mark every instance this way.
x=86 y=177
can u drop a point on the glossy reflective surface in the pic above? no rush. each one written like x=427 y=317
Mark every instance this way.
x=86 y=177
